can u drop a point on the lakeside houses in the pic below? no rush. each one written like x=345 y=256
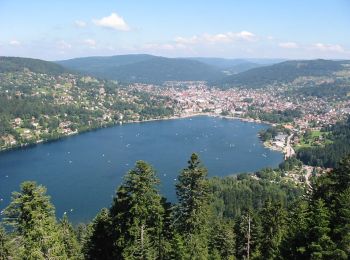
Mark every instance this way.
x=194 y=98
x=99 y=104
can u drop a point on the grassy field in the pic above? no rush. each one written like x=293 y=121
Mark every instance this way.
x=314 y=138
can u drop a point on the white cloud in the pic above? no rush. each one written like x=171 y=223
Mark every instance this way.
x=183 y=40
x=79 y=23
x=248 y=36
x=218 y=38
x=328 y=47
x=91 y=43
x=63 y=45
x=288 y=45
x=15 y=43
x=114 y=21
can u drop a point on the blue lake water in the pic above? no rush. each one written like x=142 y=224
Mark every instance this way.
x=82 y=172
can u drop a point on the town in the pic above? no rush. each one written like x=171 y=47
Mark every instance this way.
x=82 y=103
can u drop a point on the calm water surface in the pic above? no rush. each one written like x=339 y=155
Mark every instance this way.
x=82 y=172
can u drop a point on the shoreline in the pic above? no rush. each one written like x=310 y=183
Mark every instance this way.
x=27 y=145
x=244 y=119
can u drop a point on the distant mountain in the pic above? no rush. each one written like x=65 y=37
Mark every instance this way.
x=219 y=62
x=97 y=64
x=13 y=64
x=265 y=61
x=283 y=72
x=151 y=69
x=144 y=68
x=229 y=66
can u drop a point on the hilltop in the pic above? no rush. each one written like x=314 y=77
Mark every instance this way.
x=226 y=73
x=19 y=64
x=144 y=68
x=284 y=72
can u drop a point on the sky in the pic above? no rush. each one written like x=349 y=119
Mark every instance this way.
x=288 y=29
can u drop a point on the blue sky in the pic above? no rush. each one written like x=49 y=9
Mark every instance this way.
x=61 y=29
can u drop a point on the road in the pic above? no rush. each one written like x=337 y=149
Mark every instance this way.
x=289 y=151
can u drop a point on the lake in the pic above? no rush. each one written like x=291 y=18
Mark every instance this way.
x=82 y=172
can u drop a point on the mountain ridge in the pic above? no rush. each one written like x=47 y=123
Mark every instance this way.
x=143 y=68
x=11 y=64
x=284 y=72
x=150 y=69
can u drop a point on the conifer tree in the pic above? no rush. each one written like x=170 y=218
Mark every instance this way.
x=137 y=214
x=295 y=241
x=320 y=244
x=99 y=242
x=72 y=246
x=249 y=232
x=333 y=190
x=167 y=233
x=222 y=239
x=5 y=252
x=341 y=175
x=192 y=210
x=33 y=218
x=342 y=222
x=179 y=248
x=273 y=227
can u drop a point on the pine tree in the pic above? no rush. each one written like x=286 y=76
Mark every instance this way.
x=72 y=246
x=249 y=231
x=320 y=244
x=192 y=209
x=341 y=175
x=222 y=239
x=99 y=241
x=179 y=248
x=342 y=222
x=5 y=252
x=295 y=240
x=137 y=214
x=33 y=218
x=273 y=218
x=332 y=189
x=167 y=233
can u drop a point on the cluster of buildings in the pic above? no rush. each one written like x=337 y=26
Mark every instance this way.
x=195 y=97
x=99 y=103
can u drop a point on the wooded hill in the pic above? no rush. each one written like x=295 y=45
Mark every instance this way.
x=144 y=68
x=284 y=72
x=15 y=64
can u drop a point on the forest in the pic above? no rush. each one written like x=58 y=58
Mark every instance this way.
x=237 y=217
x=285 y=116
x=330 y=154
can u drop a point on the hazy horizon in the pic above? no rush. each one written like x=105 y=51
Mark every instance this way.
x=249 y=59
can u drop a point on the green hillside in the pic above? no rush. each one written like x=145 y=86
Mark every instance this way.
x=144 y=68
x=284 y=72
x=13 y=64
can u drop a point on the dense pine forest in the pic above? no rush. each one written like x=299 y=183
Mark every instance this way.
x=238 y=217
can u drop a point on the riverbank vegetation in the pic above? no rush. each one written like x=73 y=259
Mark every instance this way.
x=260 y=216
x=271 y=132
